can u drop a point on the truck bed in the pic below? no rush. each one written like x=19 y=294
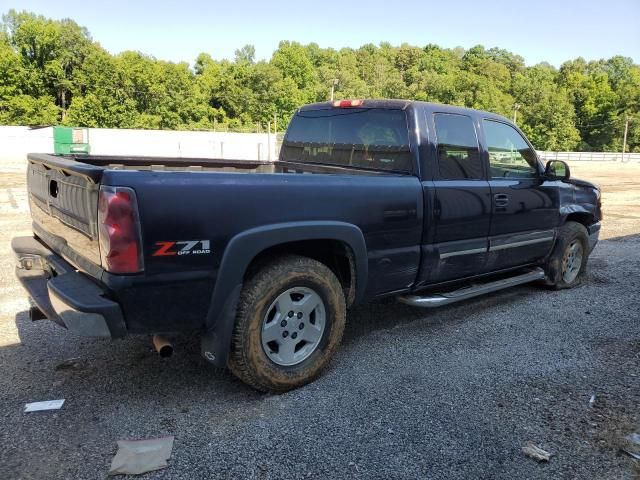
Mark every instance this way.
x=92 y=166
x=222 y=203
x=63 y=190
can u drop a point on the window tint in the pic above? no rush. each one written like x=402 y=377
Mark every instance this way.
x=509 y=155
x=367 y=138
x=458 y=154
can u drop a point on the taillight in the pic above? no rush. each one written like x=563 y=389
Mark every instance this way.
x=348 y=103
x=119 y=230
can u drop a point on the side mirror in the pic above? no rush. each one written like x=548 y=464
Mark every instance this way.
x=557 y=170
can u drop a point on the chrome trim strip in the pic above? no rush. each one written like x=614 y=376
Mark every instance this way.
x=519 y=244
x=463 y=252
x=495 y=244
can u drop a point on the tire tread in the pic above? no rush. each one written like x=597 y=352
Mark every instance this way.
x=240 y=361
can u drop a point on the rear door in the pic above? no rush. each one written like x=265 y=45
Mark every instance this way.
x=462 y=208
x=524 y=216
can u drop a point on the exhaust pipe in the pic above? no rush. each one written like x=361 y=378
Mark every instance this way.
x=36 y=314
x=163 y=346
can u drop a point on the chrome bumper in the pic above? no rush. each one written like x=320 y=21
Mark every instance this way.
x=64 y=295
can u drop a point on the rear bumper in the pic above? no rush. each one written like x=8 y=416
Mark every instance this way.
x=594 y=235
x=64 y=295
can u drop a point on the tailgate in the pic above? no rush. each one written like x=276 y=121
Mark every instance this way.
x=63 y=198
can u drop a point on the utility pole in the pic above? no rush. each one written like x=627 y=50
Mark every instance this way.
x=516 y=107
x=624 y=138
x=334 y=83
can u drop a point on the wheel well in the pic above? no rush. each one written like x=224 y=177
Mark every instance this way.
x=583 y=218
x=335 y=254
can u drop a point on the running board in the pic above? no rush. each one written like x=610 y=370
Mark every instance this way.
x=439 y=299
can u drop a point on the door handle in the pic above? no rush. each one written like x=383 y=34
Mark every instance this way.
x=501 y=200
x=391 y=215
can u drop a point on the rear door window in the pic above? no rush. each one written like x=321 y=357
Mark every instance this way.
x=458 y=152
x=371 y=138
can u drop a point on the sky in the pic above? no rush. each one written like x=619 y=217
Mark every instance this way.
x=541 y=30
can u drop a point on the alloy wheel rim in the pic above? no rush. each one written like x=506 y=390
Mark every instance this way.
x=572 y=261
x=293 y=326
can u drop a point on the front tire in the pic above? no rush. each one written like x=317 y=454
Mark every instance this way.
x=568 y=261
x=290 y=320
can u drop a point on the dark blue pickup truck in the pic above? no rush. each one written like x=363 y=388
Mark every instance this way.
x=369 y=198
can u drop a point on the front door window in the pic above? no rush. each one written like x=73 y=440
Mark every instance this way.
x=510 y=156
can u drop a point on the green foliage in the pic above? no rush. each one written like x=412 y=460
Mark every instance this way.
x=52 y=72
x=293 y=61
x=246 y=54
x=27 y=110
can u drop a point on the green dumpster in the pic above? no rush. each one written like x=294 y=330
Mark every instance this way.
x=68 y=140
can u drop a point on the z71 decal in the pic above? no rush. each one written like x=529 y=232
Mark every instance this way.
x=187 y=247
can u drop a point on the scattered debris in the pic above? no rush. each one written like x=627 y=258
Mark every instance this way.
x=531 y=451
x=140 y=456
x=69 y=363
x=633 y=438
x=46 y=405
x=631 y=454
x=592 y=400
x=633 y=442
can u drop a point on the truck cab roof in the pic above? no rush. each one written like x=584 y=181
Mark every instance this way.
x=399 y=104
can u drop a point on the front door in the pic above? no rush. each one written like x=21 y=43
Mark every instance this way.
x=524 y=217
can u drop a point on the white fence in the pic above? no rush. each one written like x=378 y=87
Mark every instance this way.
x=590 y=156
x=16 y=142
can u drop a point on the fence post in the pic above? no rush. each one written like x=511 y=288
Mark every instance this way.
x=269 y=141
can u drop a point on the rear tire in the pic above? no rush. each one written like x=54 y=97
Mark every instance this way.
x=568 y=260
x=290 y=320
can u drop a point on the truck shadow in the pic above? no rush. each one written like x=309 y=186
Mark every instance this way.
x=388 y=313
x=126 y=368
x=129 y=370
x=59 y=364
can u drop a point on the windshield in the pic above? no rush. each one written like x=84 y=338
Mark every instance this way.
x=371 y=138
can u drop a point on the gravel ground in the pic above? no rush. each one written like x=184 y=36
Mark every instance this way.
x=448 y=393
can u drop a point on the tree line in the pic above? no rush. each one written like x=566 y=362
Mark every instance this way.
x=53 y=73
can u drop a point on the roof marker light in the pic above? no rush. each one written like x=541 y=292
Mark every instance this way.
x=347 y=103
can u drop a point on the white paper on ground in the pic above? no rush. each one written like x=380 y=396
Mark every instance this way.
x=47 y=405
x=139 y=456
